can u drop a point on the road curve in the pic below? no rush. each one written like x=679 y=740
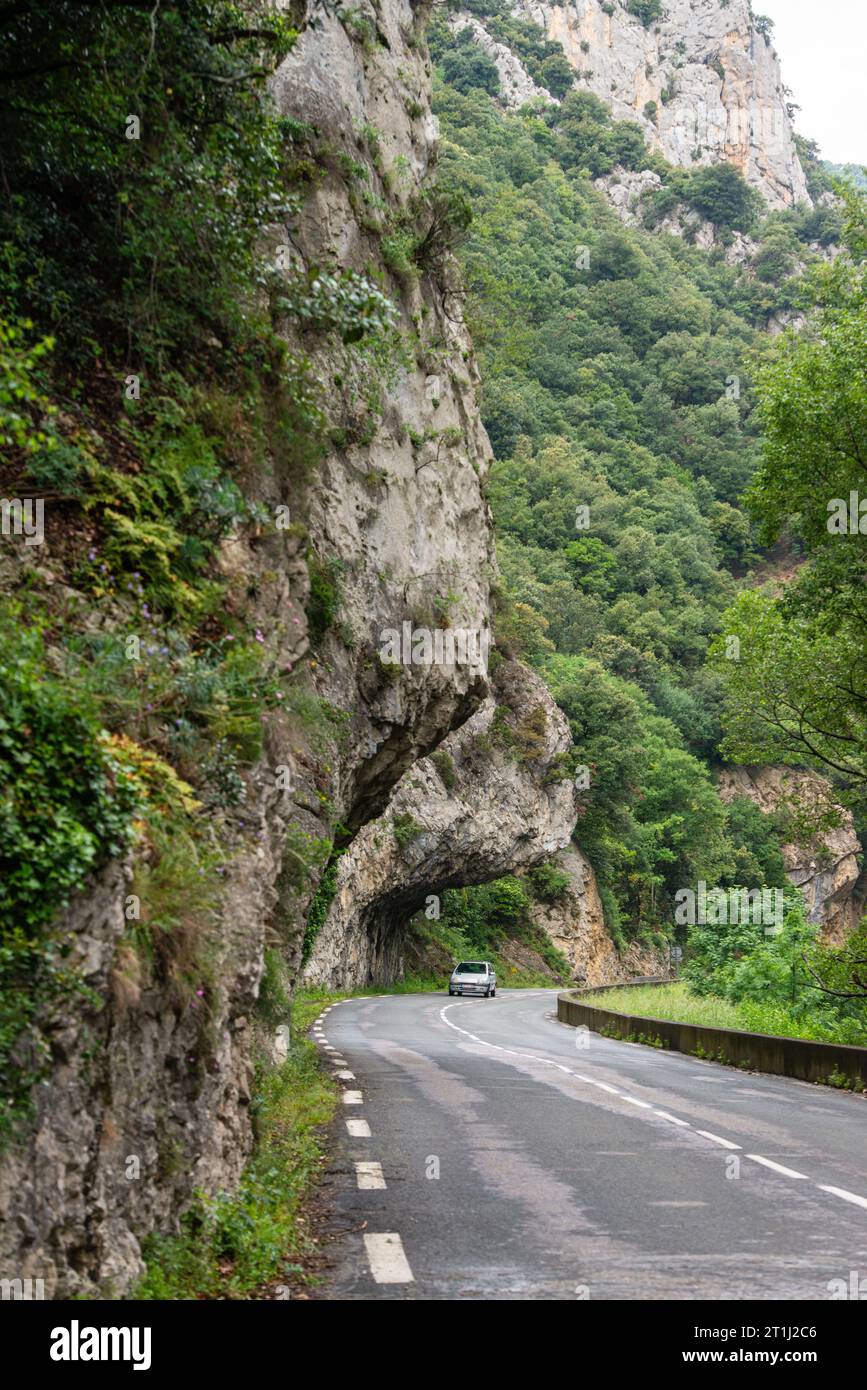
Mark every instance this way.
x=486 y=1151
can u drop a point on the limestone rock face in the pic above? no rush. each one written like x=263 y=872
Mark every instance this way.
x=576 y=926
x=715 y=80
x=489 y=801
x=826 y=868
x=400 y=517
x=625 y=190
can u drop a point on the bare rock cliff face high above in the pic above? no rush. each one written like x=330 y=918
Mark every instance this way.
x=713 y=76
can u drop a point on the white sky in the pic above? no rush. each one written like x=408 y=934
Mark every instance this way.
x=823 y=51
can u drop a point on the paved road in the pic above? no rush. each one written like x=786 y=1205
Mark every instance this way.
x=482 y=1153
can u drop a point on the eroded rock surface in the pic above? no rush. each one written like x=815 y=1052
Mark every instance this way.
x=703 y=82
x=826 y=868
x=576 y=925
x=493 y=798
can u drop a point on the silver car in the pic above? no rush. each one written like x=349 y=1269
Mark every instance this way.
x=473 y=977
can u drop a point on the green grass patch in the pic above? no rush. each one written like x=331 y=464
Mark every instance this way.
x=233 y=1243
x=676 y=1002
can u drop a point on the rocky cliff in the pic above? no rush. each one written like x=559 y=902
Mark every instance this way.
x=575 y=922
x=825 y=866
x=148 y=1093
x=493 y=798
x=702 y=79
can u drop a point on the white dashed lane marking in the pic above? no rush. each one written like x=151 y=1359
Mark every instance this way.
x=368 y=1176
x=359 y=1129
x=846 y=1196
x=386 y=1258
x=779 y=1168
x=715 y=1139
x=352 y=1098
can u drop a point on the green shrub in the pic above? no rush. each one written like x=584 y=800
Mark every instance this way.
x=405 y=829
x=444 y=765
x=323 y=603
x=720 y=193
x=67 y=801
x=320 y=904
x=344 y=302
x=648 y=11
x=467 y=66
x=548 y=884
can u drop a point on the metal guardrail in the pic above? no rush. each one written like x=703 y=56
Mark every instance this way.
x=796 y=1057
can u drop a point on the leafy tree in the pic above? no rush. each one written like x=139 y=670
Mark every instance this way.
x=141 y=162
x=800 y=684
x=557 y=74
x=742 y=960
x=467 y=66
x=840 y=972
x=648 y=11
x=764 y=25
x=720 y=193
x=755 y=836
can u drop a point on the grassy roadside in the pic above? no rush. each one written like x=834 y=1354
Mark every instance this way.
x=677 y=1003
x=232 y=1244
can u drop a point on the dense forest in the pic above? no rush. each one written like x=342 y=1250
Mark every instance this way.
x=652 y=477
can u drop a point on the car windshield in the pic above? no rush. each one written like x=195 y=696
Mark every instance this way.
x=472 y=967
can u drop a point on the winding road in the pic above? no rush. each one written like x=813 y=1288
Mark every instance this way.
x=486 y=1151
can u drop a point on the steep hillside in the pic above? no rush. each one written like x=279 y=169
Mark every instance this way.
x=700 y=77
x=618 y=366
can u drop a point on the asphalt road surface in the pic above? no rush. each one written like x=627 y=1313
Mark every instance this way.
x=486 y=1151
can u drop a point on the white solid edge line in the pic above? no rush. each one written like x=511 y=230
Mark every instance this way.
x=359 y=1129
x=847 y=1196
x=368 y=1176
x=716 y=1139
x=777 y=1167
x=386 y=1258
x=663 y=1114
x=549 y=1062
x=352 y=1098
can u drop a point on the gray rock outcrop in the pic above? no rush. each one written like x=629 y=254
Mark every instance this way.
x=575 y=922
x=489 y=801
x=827 y=867
x=516 y=85
x=702 y=81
